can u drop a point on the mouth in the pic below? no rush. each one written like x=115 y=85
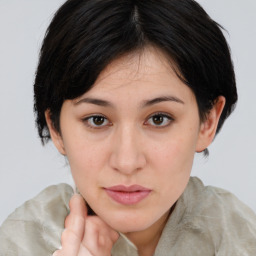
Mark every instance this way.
x=127 y=195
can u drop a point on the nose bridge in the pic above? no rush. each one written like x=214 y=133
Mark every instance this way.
x=127 y=155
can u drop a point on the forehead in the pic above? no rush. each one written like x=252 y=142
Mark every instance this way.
x=136 y=66
x=143 y=74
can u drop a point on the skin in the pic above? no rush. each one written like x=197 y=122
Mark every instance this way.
x=148 y=134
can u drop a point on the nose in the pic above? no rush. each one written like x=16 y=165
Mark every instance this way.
x=127 y=154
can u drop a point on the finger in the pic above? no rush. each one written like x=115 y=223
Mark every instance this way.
x=76 y=219
x=70 y=243
x=114 y=236
x=99 y=237
x=58 y=253
x=74 y=227
x=77 y=206
x=83 y=251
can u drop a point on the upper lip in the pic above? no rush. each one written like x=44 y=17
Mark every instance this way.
x=123 y=188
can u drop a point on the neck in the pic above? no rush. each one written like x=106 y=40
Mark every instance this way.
x=147 y=240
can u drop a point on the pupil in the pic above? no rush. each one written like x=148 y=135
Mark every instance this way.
x=98 y=120
x=158 y=119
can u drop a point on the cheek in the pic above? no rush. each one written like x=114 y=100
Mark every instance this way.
x=86 y=160
x=173 y=164
x=172 y=160
x=173 y=152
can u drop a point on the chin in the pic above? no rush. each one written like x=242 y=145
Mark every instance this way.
x=128 y=227
x=126 y=223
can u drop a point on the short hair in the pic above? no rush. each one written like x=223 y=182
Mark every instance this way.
x=84 y=37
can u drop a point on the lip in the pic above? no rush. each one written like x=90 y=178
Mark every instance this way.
x=128 y=195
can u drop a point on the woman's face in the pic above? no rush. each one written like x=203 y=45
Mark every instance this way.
x=131 y=139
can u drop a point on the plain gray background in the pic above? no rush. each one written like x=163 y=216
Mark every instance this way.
x=26 y=167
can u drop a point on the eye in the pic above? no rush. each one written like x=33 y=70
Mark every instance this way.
x=96 y=121
x=159 y=120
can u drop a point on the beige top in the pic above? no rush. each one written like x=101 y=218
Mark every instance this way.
x=206 y=221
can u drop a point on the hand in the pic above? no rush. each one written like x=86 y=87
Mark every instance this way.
x=85 y=235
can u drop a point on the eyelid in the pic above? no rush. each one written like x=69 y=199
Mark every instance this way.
x=164 y=114
x=85 y=121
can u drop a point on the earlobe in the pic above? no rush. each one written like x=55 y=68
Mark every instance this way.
x=209 y=126
x=55 y=135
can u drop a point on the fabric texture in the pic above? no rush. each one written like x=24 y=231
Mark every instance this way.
x=206 y=221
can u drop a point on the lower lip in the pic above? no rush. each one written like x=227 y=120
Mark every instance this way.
x=128 y=198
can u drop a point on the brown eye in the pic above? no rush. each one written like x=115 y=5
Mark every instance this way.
x=159 y=120
x=96 y=121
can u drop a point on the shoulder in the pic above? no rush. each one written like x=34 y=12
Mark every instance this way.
x=35 y=227
x=226 y=221
x=215 y=201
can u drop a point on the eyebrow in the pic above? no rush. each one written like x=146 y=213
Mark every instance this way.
x=146 y=103
x=95 y=101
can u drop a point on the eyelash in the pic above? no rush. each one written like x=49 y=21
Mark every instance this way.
x=169 y=119
x=89 y=121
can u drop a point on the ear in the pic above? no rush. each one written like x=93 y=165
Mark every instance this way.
x=209 y=126
x=55 y=135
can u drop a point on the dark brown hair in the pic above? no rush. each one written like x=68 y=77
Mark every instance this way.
x=86 y=35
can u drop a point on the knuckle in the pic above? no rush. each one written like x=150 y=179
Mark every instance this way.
x=92 y=224
x=67 y=236
x=105 y=241
x=114 y=236
x=64 y=236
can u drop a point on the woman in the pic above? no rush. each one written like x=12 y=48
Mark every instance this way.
x=128 y=91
